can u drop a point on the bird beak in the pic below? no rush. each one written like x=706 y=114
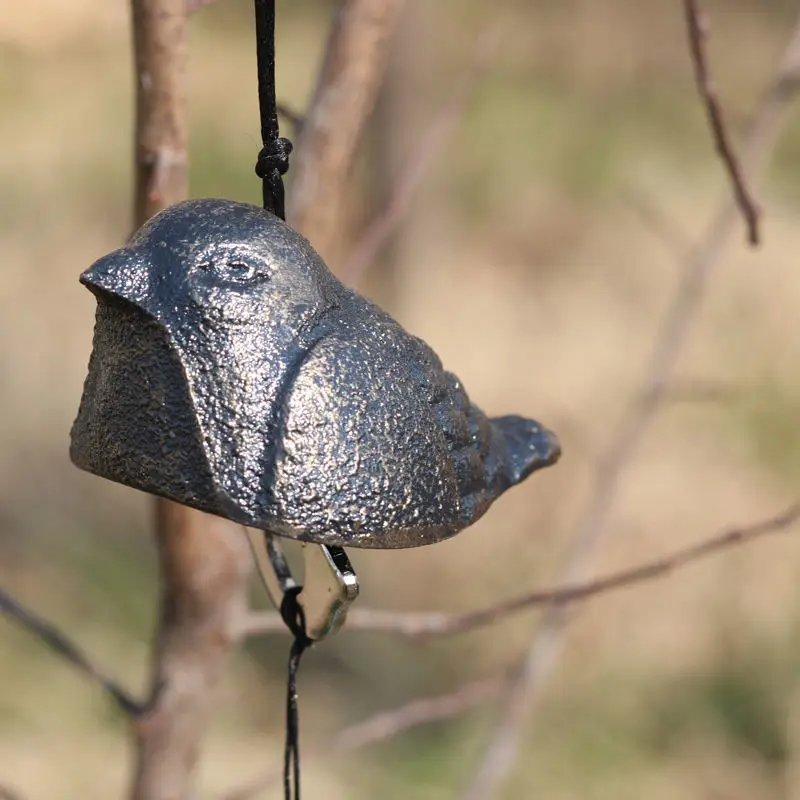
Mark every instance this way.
x=120 y=273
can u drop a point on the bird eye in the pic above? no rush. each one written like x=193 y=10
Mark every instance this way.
x=238 y=271
x=235 y=270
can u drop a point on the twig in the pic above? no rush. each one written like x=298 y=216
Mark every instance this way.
x=386 y=725
x=165 y=160
x=423 y=625
x=534 y=668
x=348 y=83
x=700 y=391
x=62 y=646
x=697 y=25
x=292 y=116
x=656 y=219
x=204 y=561
x=419 y=161
x=196 y=5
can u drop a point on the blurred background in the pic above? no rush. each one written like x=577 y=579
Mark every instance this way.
x=537 y=260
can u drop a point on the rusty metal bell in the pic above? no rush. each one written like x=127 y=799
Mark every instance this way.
x=232 y=372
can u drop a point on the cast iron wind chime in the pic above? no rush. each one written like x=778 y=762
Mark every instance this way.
x=233 y=373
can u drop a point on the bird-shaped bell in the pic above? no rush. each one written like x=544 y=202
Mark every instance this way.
x=233 y=373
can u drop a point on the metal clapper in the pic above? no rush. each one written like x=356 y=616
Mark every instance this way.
x=329 y=587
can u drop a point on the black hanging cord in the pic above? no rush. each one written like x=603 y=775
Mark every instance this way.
x=294 y=617
x=273 y=160
x=272 y=164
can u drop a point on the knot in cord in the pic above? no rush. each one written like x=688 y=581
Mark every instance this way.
x=273 y=162
x=274 y=156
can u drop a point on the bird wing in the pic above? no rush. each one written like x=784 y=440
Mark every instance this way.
x=363 y=458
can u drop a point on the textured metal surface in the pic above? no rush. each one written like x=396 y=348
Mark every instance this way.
x=232 y=372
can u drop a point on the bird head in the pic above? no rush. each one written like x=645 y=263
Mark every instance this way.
x=221 y=262
x=201 y=318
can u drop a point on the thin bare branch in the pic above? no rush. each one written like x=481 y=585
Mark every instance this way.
x=196 y=5
x=204 y=561
x=419 y=161
x=348 y=83
x=292 y=116
x=386 y=725
x=698 y=26
x=698 y=390
x=160 y=50
x=535 y=667
x=6 y=793
x=60 y=644
x=656 y=219
x=423 y=625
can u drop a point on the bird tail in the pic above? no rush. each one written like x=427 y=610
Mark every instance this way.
x=528 y=446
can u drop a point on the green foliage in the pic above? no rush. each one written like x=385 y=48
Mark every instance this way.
x=426 y=763
x=117 y=580
x=761 y=419
x=740 y=702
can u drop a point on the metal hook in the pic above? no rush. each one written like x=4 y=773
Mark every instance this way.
x=329 y=587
